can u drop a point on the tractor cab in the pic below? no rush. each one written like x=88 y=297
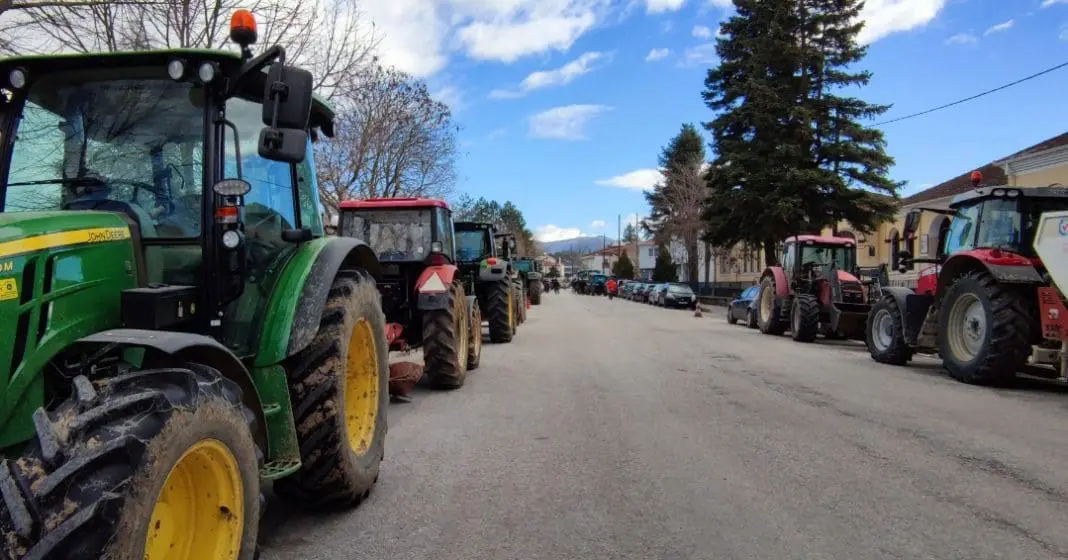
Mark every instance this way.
x=988 y=225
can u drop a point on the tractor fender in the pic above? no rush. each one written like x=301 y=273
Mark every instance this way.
x=900 y=295
x=494 y=272
x=782 y=285
x=199 y=349
x=296 y=303
x=432 y=287
x=1005 y=267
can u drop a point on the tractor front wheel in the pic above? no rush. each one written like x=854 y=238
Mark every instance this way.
x=805 y=318
x=768 y=319
x=159 y=463
x=500 y=311
x=339 y=388
x=985 y=330
x=474 y=347
x=885 y=333
x=446 y=337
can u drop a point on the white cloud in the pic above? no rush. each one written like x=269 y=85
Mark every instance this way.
x=659 y=6
x=567 y=122
x=512 y=38
x=597 y=224
x=451 y=96
x=701 y=54
x=548 y=78
x=885 y=17
x=962 y=39
x=411 y=34
x=1003 y=26
x=702 y=32
x=554 y=233
x=722 y=3
x=1048 y=3
x=639 y=179
x=657 y=54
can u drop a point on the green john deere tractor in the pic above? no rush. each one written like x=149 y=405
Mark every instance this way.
x=178 y=326
x=530 y=271
x=486 y=274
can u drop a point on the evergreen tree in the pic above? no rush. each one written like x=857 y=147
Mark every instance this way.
x=623 y=268
x=630 y=234
x=664 y=270
x=675 y=203
x=792 y=156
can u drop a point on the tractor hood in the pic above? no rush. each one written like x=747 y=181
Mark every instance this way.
x=844 y=276
x=61 y=278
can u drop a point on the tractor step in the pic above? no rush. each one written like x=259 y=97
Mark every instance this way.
x=279 y=469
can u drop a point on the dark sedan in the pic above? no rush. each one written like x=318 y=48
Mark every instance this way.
x=677 y=295
x=742 y=308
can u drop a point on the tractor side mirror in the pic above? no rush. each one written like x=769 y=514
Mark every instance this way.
x=287 y=100
x=912 y=222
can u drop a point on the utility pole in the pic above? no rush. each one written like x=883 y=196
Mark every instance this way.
x=604 y=248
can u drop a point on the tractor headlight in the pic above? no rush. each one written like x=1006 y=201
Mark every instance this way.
x=231 y=239
x=436 y=247
x=17 y=78
x=206 y=72
x=176 y=69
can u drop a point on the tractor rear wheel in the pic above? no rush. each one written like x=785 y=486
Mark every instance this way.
x=520 y=303
x=768 y=318
x=985 y=330
x=805 y=318
x=446 y=334
x=474 y=348
x=158 y=463
x=885 y=333
x=535 y=292
x=339 y=388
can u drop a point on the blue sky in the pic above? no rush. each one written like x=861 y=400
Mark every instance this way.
x=565 y=104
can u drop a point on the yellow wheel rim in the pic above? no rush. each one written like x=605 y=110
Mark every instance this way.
x=463 y=330
x=200 y=512
x=511 y=311
x=361 y=387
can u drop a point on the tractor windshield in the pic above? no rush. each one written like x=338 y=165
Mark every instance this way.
x=472 y=245
x=822 y=255
x=394 y=235
x=120 y=140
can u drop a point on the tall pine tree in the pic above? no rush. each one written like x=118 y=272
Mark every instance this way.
x=792 y=154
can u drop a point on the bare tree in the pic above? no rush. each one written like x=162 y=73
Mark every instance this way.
x=678 y=201
x=392 y=140
x=328 y=37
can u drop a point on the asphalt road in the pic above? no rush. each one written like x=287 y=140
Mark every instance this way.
x=611 y=429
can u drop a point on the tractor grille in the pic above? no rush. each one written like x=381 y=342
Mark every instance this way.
x=852 y=292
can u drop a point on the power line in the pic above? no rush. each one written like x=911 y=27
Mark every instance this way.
x=976 y=96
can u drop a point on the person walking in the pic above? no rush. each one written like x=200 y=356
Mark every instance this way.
x=610 y=287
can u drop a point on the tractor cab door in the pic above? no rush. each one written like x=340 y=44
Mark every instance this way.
x=789 y=259
x=443 y=232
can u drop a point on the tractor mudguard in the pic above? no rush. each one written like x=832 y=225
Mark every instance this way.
x=432 y=287
x=297 y=300
x=200 y=349
x=900 y=294
x=1005 y=267
x=782 y=285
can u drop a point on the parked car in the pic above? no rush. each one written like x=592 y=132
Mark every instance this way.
x=628 y=289
x=677 y=295
x=656 y=295
x=743 y=307
x=641 y=291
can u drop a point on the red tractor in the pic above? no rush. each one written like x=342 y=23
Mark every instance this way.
x=815 y=291
x=422 y=290
x=977 y=306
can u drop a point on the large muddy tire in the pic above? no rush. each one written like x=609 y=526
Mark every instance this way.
x=535 y=292
x=339 y=386
x=474 y=346
x=126 y=467
x=984 y=330
x=500 y=311
x=885 y=333
x=769 y=319
x=520 y=304
x=805 y=318
x=446 y=334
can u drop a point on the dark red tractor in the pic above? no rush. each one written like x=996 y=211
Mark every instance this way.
x=977 y=304
x=422 y=290
x=815 y=291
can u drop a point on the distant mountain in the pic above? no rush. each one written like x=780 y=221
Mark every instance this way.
x=580 y=244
